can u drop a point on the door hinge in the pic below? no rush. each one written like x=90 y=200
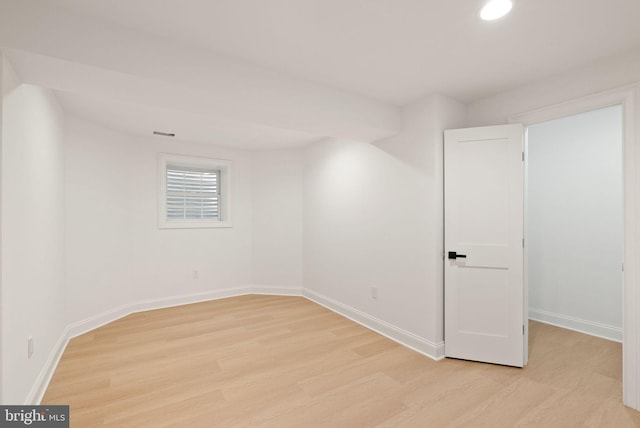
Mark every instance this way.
x=523 y=329
x=522 y=156
x=522 y=242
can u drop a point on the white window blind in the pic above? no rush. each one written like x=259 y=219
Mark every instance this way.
x=192 y=193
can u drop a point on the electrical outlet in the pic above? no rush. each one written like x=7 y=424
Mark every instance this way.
x=374 y=292
x=196 y=274
x=29 y=346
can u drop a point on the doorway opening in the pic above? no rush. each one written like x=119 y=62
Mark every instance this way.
x=574 y=228
x=574 y=222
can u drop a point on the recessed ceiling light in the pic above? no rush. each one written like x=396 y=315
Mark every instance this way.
x=495 y=9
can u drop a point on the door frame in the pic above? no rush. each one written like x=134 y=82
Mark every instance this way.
x=626 y=96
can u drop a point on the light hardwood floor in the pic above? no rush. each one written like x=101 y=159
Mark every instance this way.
x=268 y=361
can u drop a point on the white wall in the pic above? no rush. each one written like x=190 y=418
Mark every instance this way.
x=373 y=218
x=98 y=244
x=277 y=219
x=165 y=259
x=116 y=254
x=33 y=293
x=574 y=222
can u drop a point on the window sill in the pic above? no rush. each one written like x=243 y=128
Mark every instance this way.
x=195 y=225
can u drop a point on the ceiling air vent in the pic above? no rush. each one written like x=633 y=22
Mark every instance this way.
x=164 y=134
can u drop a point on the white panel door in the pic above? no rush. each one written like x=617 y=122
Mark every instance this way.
x=484 y=277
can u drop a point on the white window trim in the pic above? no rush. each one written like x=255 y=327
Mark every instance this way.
x=224 y=166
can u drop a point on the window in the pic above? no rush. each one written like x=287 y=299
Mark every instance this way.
x=194 y=192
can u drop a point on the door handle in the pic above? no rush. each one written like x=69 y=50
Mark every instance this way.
x=453 y=255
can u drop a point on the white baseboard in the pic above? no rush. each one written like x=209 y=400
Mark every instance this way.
x=91 y=323
x=42 y=381
x=576 y=324
x=167 y=302
x=403 y=337
x=86 y=325
x=276 y=291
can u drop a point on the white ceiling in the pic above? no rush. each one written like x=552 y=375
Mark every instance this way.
x=279 y=73
x=392 y=50
x=132 y=118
